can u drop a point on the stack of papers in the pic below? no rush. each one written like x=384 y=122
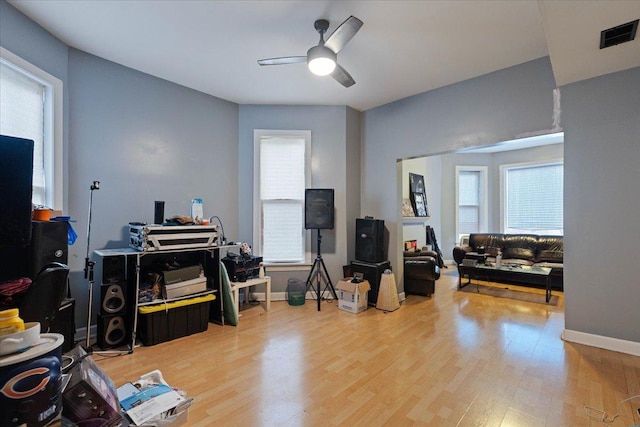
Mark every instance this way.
x=149 y=401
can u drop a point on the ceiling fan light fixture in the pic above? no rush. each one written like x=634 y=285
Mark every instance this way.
x=321 y=60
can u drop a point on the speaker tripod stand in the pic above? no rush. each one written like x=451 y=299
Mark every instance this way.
x=317 y=270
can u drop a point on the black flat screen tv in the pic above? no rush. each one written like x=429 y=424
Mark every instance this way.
x=16 y=180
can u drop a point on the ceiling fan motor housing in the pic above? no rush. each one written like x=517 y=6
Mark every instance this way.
x=321 y=26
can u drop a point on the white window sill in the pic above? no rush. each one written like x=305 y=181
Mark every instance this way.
x=283 y=267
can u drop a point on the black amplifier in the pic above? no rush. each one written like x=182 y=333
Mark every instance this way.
x=242 y=267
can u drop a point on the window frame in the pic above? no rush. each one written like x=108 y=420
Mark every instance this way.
x=258 y=135
x=483 y=197
x=53 y=125
x=503 y=190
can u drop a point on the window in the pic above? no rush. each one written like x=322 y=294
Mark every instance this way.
x=471 y=200
x=282 y=172
x=31 y=107
x=532 y=197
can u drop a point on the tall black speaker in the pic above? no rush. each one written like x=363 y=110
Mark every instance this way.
x=112 y=331
x=370 y=245
x=372 y=272
x=318 y=208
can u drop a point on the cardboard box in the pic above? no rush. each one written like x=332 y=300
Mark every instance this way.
x=353 y=297
x=90 y=396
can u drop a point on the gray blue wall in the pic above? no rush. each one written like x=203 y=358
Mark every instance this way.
x=335 y=142
x=601 y=117
x=116 y=118
x=500 y=106
x=144 y=139
x=31 y=42
x=601 y=121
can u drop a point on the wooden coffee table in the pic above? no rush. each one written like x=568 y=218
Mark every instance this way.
x=535 y=274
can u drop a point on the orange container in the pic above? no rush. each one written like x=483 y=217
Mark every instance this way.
x=42 y=214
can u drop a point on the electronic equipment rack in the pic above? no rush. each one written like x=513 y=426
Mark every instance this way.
x=123 y=267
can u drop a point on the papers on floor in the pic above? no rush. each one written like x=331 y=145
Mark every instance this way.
x=151 y=401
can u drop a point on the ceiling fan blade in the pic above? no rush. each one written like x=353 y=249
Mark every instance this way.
x=283 y=60
x=343 y=34
x=342 y=76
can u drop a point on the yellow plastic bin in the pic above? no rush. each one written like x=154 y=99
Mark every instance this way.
x=165 y=322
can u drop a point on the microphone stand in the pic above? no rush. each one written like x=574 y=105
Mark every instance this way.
x=88 y=274
x=88 y=265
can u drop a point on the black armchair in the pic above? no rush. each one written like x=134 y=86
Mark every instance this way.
x=420 y=272
x=44 y=296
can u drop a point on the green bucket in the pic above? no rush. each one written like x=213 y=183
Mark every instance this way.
x=296 y=292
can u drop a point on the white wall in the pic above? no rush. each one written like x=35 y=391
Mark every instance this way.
x=430 y=169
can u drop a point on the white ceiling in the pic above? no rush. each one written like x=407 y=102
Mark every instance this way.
x=404 y=47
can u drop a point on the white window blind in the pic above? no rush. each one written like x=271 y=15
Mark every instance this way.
x=534 y=199
x=22 y=115
x=283 y=172
x=468 y=201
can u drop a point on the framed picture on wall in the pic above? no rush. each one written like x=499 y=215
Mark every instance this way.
x=407 y=209
x=418 y=196
x=416 y=183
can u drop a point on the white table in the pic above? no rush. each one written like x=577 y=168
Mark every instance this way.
x=236 y=286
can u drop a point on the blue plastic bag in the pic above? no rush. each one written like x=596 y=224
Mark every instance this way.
x=71 y=233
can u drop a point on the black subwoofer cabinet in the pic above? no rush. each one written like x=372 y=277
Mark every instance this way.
x=372 y=272
x=48 y=244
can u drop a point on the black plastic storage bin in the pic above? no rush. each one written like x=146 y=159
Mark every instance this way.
x=164 y=322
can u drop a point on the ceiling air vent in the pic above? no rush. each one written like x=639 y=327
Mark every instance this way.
x=620 y=34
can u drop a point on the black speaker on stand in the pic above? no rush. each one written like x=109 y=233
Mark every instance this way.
x=318 y=215
x=318 y=209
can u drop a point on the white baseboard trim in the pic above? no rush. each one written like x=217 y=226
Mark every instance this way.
x=607 y=343
x=282 y=296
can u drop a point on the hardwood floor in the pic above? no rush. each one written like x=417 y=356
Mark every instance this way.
x=455 y=359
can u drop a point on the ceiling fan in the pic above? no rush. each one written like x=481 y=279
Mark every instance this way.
x=321 y=59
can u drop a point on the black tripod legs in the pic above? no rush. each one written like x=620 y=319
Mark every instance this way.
x=317 y=270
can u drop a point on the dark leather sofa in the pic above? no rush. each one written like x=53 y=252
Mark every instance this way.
x=521 y=249
x=421 y=271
